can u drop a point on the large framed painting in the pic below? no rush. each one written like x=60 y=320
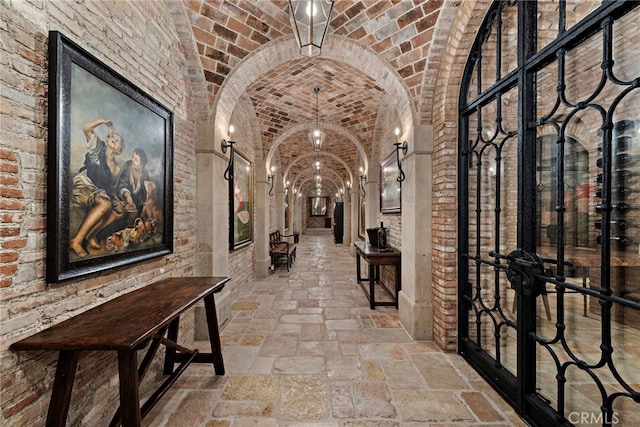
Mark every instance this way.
x=390 y=187
x=110 y=173
x=240 y=203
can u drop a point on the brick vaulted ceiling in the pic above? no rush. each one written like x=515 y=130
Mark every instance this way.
x=398 y=31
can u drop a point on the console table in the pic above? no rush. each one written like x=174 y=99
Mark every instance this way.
x=127 y=324
x=375 y=258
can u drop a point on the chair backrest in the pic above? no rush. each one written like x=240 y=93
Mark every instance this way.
x=274 y=238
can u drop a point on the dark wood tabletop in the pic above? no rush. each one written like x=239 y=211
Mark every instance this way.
x=128 y=321
x=373 y=251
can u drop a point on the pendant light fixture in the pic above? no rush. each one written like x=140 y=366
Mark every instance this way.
x=316 y=136
x=310 y=21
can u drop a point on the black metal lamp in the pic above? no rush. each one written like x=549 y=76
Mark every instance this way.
x=363 y=179
x=400 y=147
x=349 y=190
x=317 y=135
x=270 y=178
x=224 y=144
x=310 y=21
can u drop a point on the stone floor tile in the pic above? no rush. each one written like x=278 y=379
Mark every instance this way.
x=252 y=387
x=194 y=408
x=481 y=407
x=373 y=400
x=342 y=401
x=431 y=406
x=304 y=398
x=438 y=372
x=279 y=345
x=344 y=368
x=238 y=359
x=298 y=365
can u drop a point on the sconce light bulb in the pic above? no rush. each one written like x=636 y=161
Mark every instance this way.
x=317 y=164
x=397 y=131
x=361 y=170
x=316 y=133
x=231 y=129
x=273 y=169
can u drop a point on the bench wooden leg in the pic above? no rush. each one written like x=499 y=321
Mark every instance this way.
x=129 y=393
x=214 y=334
x=170 y=352
x=62 y=386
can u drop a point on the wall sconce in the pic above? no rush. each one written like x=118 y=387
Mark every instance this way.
x=270 y=179
x=310 y=21
x=363 y=179
x=400 y=147
x=224 y=144
x=349 y=190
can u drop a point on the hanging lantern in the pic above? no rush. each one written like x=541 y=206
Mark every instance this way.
x=310 y=21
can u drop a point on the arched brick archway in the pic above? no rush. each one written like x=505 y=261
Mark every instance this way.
x=464 y=22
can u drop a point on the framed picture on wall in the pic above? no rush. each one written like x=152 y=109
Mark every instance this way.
x=241 y=203
x=390 y=187
x=110 y=167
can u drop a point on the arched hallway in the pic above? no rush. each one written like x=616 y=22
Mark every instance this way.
x=303 y=348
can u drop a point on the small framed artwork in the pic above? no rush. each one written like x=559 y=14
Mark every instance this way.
x=390 y=187
x=241 y=203
x=318 y=206
x=110 y=168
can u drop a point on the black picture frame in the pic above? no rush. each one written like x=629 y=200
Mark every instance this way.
x=240 y=203
x=110 y=168
x=390 y=187
x=318 y=206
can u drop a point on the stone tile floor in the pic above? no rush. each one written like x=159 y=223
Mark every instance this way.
x=304 y=349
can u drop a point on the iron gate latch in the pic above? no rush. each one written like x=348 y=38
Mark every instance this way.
x=524 y=273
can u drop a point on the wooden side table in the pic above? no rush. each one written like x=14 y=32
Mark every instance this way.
x=375 y=258
x=125 y=325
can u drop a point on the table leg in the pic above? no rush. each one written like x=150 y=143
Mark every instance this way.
x=398 y=281
x=170 y=353
x=129 y=388
x=62 y=386
x=372 y=279
x=214 y=334
x=358 y=270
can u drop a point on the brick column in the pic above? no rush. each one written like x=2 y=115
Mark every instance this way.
x=415 y=306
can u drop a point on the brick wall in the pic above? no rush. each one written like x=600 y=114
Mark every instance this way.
x=452 y=57
x=139 y=41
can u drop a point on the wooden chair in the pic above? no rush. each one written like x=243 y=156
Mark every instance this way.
x=282 y=250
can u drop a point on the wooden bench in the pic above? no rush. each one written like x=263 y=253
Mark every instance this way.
x=282 y=250
x=127 y=324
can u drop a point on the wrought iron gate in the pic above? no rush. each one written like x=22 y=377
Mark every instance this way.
x=549 y=209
